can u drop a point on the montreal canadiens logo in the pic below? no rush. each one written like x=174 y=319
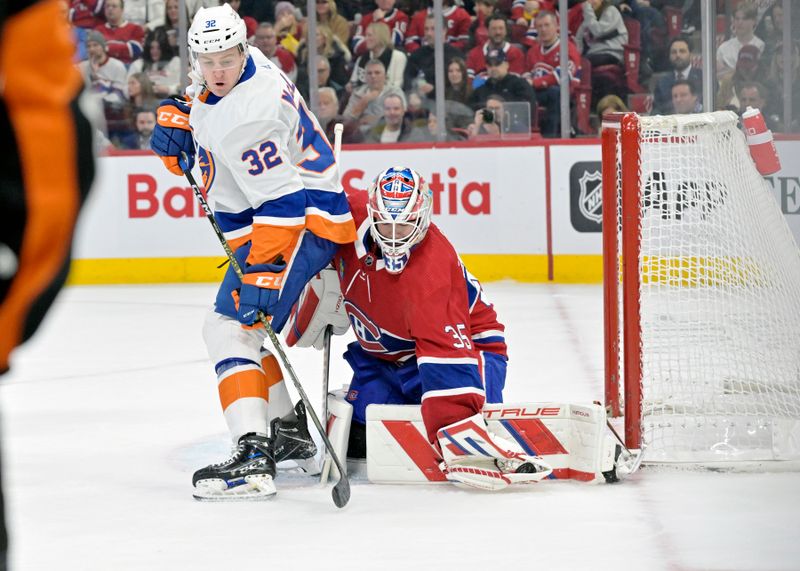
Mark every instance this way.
x=369 y=334
x=397 y=185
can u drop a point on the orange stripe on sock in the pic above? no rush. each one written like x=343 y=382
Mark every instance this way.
x=251 y=383
x=272 y=370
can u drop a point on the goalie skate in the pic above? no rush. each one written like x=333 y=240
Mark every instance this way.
x=293 y=440
x=247 y=475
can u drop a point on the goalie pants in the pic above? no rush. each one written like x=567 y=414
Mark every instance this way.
x=313 y=253
x=376 y=381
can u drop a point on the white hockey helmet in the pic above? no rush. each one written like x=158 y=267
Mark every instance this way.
x=216 y=29
x=399 y=208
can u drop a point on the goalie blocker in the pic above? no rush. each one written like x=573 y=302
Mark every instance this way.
x=572 y=439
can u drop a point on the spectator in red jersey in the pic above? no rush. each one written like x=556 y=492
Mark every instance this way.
x=420 y=74
x=458 y=87
x=124 y=39
x=328 y=15
x=287 y=27
x=86 y=13
x=498 y=32
x=266 y=40
x=478 y=33
x=161 y=64
x=330 y=47
x=544 y=70
x=458 y=22
x=378 y=40
x=386 y=12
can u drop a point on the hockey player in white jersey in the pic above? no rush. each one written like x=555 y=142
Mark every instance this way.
x=273 y=181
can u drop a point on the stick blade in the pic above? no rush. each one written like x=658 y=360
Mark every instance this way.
x=341 y=493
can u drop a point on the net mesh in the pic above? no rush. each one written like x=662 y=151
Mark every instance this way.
x=720 y=299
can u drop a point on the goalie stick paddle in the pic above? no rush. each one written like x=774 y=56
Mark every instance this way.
x=341 y=491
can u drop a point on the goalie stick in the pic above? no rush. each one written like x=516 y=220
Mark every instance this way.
x=341 y=491
x=326 y=347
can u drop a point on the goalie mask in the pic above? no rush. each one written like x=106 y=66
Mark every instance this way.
x=215 y=30
x=399 y=210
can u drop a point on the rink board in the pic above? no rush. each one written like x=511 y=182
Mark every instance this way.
x=528 y=211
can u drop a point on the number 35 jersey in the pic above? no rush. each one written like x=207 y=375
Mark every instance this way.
x=268 y=168
x=434 y=310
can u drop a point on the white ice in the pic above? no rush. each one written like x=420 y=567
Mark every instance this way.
x=113 y=405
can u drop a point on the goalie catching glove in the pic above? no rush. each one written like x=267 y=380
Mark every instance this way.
x=474 y=457
x=172 y=136
x=320 y=305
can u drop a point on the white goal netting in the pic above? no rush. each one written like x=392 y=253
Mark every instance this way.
x=719 y=297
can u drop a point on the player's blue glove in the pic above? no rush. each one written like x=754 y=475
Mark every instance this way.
x=172 y=136
x=259 y=291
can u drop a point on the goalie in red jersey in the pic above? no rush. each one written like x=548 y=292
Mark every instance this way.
x=426 y=333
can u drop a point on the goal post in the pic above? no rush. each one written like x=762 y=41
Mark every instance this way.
x=701 y=294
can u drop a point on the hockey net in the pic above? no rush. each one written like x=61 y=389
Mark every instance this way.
x=702 y=294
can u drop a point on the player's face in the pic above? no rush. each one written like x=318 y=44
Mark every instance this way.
x=392 y=231
x=546 y=28
x=221 y=70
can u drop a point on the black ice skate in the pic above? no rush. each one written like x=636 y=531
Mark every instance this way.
x=293 y=440
x=247 y=475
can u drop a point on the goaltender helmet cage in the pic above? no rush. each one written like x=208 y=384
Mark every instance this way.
x=399 y=207
x=216 y=29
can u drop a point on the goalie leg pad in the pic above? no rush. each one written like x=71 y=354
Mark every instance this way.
x=321 y=304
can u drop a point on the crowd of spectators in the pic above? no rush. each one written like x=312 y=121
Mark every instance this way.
x=376 y=72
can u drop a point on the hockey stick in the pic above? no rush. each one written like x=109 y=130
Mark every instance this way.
x=341 y=491
x=326 y=342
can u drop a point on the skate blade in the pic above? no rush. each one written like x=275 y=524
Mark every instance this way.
x=254 y=488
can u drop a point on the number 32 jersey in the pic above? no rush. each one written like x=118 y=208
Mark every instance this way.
x=267 y=166
x=434 y=310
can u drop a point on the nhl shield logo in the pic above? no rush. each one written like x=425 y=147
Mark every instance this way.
x=590 y=200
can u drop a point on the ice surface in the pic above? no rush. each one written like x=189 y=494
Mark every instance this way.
x=113 y=405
